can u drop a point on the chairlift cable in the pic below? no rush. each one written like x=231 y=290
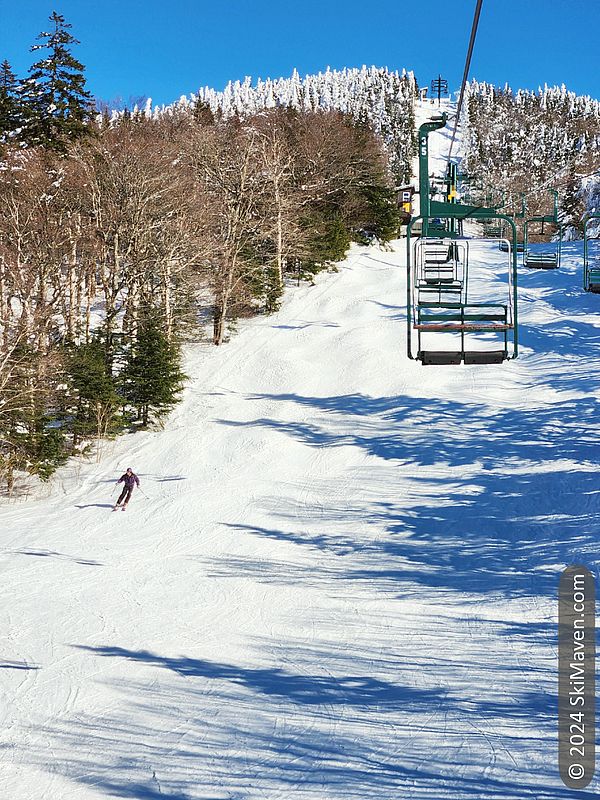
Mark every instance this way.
x=466 y=73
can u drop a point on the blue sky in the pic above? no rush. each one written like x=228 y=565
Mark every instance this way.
x=167 y=48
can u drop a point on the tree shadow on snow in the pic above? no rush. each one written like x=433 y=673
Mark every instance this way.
x=299 y=689
x=189 y=727
x=303 y=325
x=531 y=495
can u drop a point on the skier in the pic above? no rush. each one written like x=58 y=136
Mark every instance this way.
x=130 y=479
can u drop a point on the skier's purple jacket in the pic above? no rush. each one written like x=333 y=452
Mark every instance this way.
x=129 y=479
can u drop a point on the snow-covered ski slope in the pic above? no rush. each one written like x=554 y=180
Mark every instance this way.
x=342 y=582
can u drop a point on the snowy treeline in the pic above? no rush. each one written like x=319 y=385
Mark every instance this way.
x=375 y=95
x=528 y=141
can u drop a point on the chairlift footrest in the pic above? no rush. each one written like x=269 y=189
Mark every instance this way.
x=439 y=357
x=485 y=357
x=454 y=357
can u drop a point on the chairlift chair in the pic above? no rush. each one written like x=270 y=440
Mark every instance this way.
x=438 y=275
x=543 y=260
x=591 y=263
x=438 y=304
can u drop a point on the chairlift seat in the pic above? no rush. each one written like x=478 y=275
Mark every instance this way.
x=437 y=270
x=434 y=260
x=541 y=260
x=453 y=317
x=463 y=317
x=594 y=280
x=436 y=281
x=446 y=286
x=428 y=304
x=467 y=327
x=503 y=246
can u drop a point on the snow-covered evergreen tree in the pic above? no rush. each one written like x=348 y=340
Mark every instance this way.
x=56 y=104
x=530 y=141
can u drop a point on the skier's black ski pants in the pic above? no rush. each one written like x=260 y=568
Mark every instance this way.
x=125 y=495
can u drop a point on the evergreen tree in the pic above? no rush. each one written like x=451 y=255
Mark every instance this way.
x=56 y=103
x=10 y=111
x=96 y=399
x=328 y=238
x=152 y=378
x=573 y=206
x=382 y=215
x=32 y=438
x=46 y=448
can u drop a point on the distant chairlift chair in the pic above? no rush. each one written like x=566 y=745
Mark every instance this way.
x=543 y=260
x=591 y=263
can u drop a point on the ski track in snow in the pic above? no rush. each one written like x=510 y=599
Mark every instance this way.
x=342 y=583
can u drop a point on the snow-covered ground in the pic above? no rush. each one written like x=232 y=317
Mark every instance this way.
x=341 y=580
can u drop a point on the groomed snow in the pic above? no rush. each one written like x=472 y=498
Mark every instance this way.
x=342 y=582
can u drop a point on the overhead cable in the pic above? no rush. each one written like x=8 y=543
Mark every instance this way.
x=466 y=73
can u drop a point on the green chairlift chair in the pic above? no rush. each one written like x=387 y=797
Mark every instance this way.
x=438 y=273
x=543 y=260
x=591 y=263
